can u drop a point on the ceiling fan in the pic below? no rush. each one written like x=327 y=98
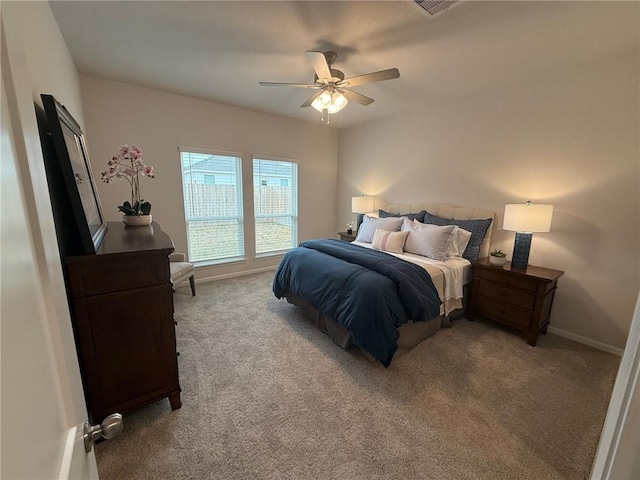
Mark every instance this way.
x=333 y=89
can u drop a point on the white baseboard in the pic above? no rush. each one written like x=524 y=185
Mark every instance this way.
x=587 y=341
x=236 y=274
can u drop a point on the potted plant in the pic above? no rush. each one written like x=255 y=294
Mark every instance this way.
x=350 y=228
x=497 y=257
x=128 y=164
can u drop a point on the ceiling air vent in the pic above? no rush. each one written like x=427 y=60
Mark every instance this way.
x=433 y=8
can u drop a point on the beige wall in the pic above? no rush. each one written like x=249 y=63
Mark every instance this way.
x=35 y=60
x=569 y=138
x=49 y=66
x=160 y=122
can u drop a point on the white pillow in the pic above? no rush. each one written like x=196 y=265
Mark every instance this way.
x=370 y=224
x=459 y=242
x=389 y=241
x=428 y=240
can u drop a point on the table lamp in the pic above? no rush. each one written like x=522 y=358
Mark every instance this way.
x=361 y=205
x=525 y=219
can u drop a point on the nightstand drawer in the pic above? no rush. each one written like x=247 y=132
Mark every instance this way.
x=503 y=312
x=505 y=278
x=508 y=295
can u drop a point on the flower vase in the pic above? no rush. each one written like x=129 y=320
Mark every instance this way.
x=136 y=220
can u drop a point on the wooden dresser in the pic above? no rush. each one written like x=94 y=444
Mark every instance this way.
x=521 y=298
x=122 y=305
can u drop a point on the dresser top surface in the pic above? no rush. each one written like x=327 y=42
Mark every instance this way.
x=122 y=239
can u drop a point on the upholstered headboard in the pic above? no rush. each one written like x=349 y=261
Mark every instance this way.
x=451 y=211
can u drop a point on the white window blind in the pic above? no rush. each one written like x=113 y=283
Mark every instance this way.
x=212 y=188
x=275 y=198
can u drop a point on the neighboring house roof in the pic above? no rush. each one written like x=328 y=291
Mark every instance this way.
x=221 y=164
x=213 y=163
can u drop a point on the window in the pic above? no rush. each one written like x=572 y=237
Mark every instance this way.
x=275 y=201
x=212 y=188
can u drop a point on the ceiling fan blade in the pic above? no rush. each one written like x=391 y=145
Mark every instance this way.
x=277 y=84
x=380 y=76
x=356 y=97
x=319 y=64
x=310 y=100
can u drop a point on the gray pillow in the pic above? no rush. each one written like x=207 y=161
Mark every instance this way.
x=369 y=225
x=411 y=216
x=478 y=229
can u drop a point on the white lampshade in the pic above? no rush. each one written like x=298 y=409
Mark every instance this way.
x=527 y=217
x=362 y=204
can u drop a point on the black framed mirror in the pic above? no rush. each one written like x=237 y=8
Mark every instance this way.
x=75 y=169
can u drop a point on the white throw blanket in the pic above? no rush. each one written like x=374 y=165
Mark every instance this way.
x=447 y=276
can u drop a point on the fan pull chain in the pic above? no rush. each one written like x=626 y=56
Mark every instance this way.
x=322 y=115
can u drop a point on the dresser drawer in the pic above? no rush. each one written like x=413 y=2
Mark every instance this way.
x=508 y=295
x=107 y=275
x=511 y=280
x=504 y=312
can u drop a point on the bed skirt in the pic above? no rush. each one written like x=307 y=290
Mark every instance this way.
x=411 y=334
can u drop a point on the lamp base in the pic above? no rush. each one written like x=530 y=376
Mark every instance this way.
x=359 y=220
x=521 y=249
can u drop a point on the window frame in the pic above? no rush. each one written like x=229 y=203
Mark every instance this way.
x=241 y=202
x=295 y=206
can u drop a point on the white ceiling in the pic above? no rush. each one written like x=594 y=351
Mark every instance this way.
x=220 y=50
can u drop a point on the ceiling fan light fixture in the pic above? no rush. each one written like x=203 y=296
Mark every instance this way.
x=338 y=102
x=322 y=101
x=325 y=98
x=333 y=102
x=329 y=81
x=317 y=104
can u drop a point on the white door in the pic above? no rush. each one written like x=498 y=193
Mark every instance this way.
x=42 y=403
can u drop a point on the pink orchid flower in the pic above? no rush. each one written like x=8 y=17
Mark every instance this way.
x=128 y=164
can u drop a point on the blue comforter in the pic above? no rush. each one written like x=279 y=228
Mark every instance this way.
x=368 y=292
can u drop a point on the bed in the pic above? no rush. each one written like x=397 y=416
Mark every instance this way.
x=327 y=281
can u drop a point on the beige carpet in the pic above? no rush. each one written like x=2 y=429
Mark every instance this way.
x=266 y=396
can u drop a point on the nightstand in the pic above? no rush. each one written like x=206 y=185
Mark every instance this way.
x=347 y=237
x=521 y=298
